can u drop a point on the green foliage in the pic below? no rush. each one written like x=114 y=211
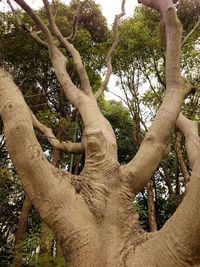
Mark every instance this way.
x=50 y=261
x=139 y=39
x=11 y=196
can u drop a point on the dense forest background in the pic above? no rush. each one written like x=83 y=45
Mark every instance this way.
x=138 y=65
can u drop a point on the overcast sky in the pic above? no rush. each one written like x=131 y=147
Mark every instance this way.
x=112 y=7
x=109 y=7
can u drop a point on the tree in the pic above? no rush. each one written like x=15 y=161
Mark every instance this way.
x=92 y=214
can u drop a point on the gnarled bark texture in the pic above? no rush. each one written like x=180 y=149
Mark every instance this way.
x=92 y=214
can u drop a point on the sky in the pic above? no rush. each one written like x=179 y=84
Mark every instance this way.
x=112 y=7
x=109 y=7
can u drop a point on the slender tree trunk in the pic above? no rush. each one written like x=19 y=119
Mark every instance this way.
x=78 y=161
x=151 y=208
x=182 y=165
x=176 y=171
x=167 y=179
x=18 y=258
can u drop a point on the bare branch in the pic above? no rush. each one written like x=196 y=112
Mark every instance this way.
x=192 y=31
x=110 y=52
x=71 y=49
x=69 y=147
x=37 y=20
x=72 y=36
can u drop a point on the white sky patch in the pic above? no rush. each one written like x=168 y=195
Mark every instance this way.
x=109 y=7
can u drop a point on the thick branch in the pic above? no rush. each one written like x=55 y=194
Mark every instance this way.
x=69 y=147
x=173 y=34
x=110 y=53
x=177 y=244
x=139 y=171
x=158 y=5
x=53 y=196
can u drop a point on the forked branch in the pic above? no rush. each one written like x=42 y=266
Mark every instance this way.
x=85 y=83
x=58 y=60
x=20 y=23
x=38 y=21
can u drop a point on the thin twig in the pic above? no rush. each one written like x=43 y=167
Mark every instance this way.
x=190 y=33
x=20 y=23
x=69 y=147
x=110 y=52
x=72 y=36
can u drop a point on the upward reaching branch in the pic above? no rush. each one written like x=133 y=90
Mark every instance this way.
x=37 y=20
x=139 y=171
x=20 y=23
x=191 y=32
x=72 y=36
x=57 y=58
x=110 y=52
x=66 y=44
